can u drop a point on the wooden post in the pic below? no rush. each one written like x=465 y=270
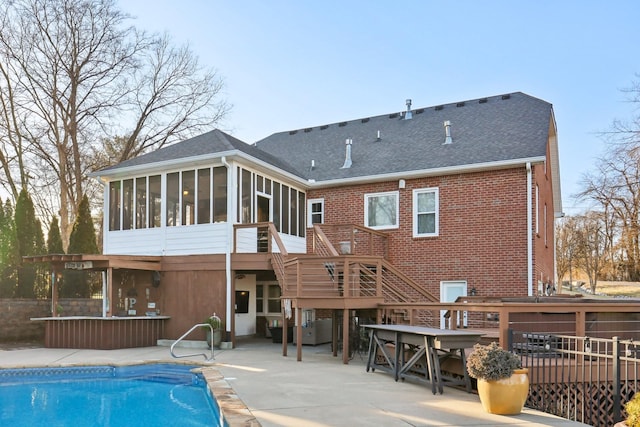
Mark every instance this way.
x=345 y=336
x=334 y=325
x=285 y=328
x=299 y=333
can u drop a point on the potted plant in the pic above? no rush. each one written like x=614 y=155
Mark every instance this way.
x=503 y=385
x=633 y=413
x=217 y=325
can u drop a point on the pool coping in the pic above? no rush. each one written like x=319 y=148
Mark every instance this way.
x=232 y=409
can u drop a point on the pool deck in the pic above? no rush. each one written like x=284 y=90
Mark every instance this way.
x=318 y=391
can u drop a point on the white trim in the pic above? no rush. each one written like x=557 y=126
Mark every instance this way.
x=415 y=213
x=444 y=284
x=367 y=196
x=529 y=233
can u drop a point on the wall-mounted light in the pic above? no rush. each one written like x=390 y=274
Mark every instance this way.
x=473 y=292
x=239 y=276
x=402 y=183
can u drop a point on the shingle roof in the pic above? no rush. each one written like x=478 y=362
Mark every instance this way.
x=486 y=130
x=211 y=142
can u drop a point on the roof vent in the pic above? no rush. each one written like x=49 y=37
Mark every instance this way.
x=460 y=104
x=347 y=159
x=447 y=132
x=307 y=130
x=393 y=116
x=379 y=137
x=507 y=96
x=420 y=111
x=438 y=107
x=323 y=127
x=364 y=120
x=408 y=115
x=342 y=124
x=482 y=101
x=293 y=132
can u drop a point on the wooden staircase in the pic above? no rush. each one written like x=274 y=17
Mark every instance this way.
x=347 y=269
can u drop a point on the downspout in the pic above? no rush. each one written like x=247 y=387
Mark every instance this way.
x=529 y=232
x=227 y=254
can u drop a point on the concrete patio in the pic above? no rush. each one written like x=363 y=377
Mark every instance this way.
x=319 y=391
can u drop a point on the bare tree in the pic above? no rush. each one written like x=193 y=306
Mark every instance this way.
x=566 y=242
x=591 y=245
x=80 y=74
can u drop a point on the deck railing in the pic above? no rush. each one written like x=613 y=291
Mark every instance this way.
x=349 y=239
x=583 y=379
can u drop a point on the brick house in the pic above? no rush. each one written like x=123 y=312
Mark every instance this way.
x=419 y=205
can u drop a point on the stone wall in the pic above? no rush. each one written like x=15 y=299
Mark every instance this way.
x=15 y=316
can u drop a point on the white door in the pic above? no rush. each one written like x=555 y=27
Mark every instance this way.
x=449 y=292
x=245 y=309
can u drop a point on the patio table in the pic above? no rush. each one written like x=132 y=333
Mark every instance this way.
x=430 y=344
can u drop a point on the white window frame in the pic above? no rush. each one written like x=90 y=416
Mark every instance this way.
x=416 y=192
x=310 y=203
x=368 y=196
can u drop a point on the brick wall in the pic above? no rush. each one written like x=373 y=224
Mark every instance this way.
x=482 y=230
x=16 y=314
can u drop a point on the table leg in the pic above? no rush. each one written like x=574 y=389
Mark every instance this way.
x=372 y=349
x=428 y=345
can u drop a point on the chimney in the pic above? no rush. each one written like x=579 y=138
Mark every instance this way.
x=408 y=115
x=347 y=160
x=447 y=132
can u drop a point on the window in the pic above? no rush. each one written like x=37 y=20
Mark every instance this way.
x=173 y=199
x=141 y=202
x=268 y=299
x=204 y=196
x=425 y=212
x=188 y=197
x=381 y=210
x=315 y=208
x=219 y=194
x=155 y=201
x=127 y=204
x=114 y=205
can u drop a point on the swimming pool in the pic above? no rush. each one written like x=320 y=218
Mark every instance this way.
x=141 y=395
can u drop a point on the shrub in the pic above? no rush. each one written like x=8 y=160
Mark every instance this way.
x=491 y=362
x=633 y=411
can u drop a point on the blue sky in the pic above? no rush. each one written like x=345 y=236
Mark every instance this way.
x=295 y=64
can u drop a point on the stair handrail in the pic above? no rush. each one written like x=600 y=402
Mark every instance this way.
x=207 y=358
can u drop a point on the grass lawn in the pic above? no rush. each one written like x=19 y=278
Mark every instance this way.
x=606 y=289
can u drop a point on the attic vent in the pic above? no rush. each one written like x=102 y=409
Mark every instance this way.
x=364 y=120
x=507 y=96
x=307 y=130
x=482 y=101
x=408 y=115
x=393 y=116
x=460 y=104
x=420 y=111
x=293 y=132
x=342 y=124
x=438 y=107
x=323 y=127
x=347 y=159
x=447 y=132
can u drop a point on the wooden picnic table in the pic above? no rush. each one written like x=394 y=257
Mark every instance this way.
x=432 y=345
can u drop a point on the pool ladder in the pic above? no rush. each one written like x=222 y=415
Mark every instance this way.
x=206 y=357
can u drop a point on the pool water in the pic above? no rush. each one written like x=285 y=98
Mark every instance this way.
x=141 y=395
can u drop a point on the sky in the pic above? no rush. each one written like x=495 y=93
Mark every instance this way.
x=296 y=64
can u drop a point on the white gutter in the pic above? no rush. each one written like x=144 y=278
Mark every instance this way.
x=229 y=247
x=529 y=233
x=477 y=167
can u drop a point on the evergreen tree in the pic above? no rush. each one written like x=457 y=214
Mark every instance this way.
x=30 y=242
x=83 y=234
x=54 y=239
x=9 y=257
x=81 y=284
